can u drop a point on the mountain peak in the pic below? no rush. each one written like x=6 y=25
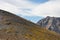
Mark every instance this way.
x=13 y=27
x=51 y=23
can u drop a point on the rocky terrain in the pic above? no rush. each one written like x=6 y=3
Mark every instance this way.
x=50 y=23
x=13 y=27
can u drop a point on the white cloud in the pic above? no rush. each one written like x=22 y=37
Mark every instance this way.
x=20 y=3
x=50 y=8
x=8 y=7
x=17 y=6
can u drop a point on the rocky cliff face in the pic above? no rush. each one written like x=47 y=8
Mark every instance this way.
x=50 y=23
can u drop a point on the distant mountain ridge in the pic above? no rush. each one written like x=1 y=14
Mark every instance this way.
x=50 y=23
x=13 y=27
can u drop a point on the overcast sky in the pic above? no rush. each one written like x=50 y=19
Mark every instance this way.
x=35 y=9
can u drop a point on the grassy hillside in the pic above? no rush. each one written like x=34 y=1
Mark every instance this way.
x=13 y=27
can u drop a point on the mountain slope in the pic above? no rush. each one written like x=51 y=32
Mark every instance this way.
x=51 y=23
x=13 y=27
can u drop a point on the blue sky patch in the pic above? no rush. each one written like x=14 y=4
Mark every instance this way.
x=38 y=1
x=34 y=19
